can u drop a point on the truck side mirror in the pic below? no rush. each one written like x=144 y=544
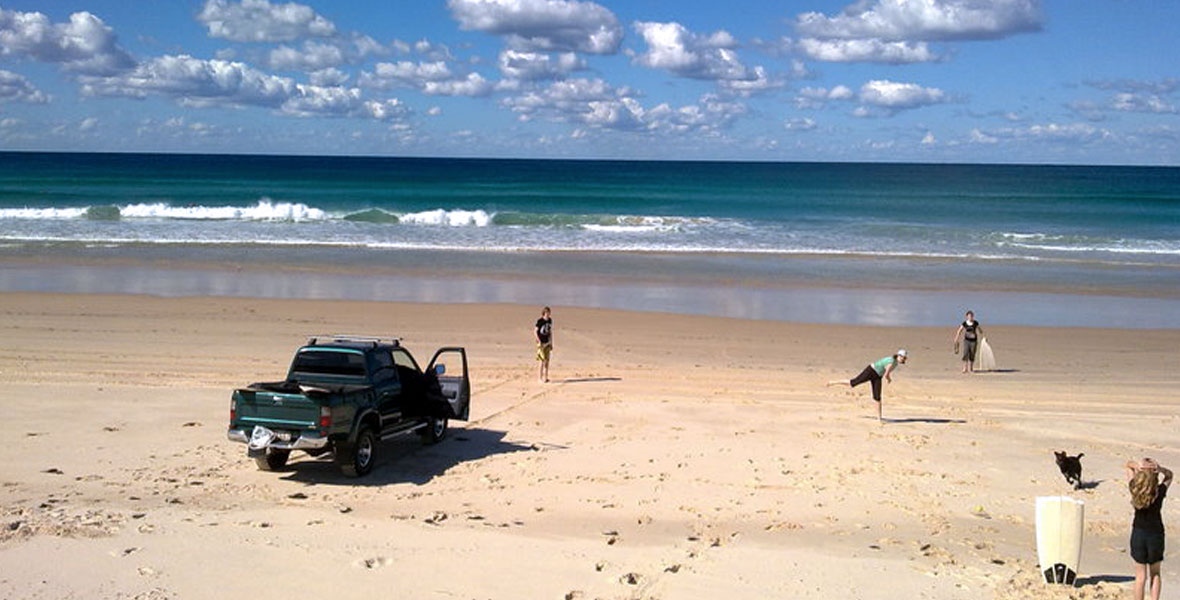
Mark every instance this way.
x=440 y=369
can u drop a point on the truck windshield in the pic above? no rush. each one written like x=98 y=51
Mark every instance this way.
x=328 y=362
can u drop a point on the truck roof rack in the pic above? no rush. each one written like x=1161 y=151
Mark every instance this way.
x=344 y=337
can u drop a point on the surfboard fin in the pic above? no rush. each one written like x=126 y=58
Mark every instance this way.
x=1059 y=573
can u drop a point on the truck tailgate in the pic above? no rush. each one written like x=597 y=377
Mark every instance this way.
x=276 y=410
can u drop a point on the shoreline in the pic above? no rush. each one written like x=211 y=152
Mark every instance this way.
x=898 y=292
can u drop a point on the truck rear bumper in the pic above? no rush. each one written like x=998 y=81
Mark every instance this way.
x=300 y=443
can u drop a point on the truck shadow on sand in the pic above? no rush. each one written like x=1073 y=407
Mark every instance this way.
x=407 y=460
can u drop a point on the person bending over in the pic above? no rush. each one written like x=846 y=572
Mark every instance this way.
x=874 y=373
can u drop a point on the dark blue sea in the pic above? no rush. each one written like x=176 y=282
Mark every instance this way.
x=1104 y=214
x=667 y=232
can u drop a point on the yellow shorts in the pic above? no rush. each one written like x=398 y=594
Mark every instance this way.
x=543 y=352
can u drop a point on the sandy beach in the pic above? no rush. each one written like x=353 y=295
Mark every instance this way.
x=671 y=457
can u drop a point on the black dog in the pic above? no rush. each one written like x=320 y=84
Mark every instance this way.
x=1071 y=468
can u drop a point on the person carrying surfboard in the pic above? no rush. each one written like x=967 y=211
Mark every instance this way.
x=1147 y=529
x=971 y=331
x=874 y=373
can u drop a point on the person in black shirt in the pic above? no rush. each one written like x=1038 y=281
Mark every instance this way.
x=1147 y=529
x=544 y=334
x=971 y=332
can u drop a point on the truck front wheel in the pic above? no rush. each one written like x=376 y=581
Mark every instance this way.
x=273 y=460
x=356 y=459
x=435 y=430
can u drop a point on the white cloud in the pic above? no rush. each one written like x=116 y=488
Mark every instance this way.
x=178 y=128
x=1145 y=103
x=1166 y=85
x=924 y=20
x=818 y=97
x=530 y=66
x=866 y=50
x=595 y=104
x=386 y=110
x=928 y=139
x=978 y=137
x=432 y=78
x=1079 y=132
x=84 y=44
x=804 y=124
x=14 y=86
x=261 y=21
x=88 y=124
x=407 y=73
x=892 y=96
x=434 y=111
x=472 y=85
x=1076 y=133
x=198 y=82
x=328 y=77
x=672 y=47
x=10 y=122
x=759 y=82
x=314 y=56
x=432 y=50
x=555 y=25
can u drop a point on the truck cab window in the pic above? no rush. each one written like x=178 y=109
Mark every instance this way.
x=383 y=366
x=329 y=363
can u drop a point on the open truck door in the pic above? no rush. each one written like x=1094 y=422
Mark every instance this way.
x=450 y=367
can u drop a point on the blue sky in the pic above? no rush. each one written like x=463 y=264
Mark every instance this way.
x=1094 y=82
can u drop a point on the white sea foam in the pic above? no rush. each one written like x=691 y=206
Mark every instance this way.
x=648 y=224
x=265 y=210
x=625 y=228
x=41 y=213
x=600 y=246
x=1074 y=244
x=453 y=218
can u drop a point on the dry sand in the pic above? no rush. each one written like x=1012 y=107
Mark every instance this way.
x=672 y=457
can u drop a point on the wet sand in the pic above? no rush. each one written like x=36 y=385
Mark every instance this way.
x=671 y=457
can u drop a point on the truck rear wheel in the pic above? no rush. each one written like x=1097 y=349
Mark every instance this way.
x=435 y=430
x=273 y=460
x=356 y=459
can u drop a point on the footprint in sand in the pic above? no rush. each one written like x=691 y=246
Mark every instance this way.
x=373 y=563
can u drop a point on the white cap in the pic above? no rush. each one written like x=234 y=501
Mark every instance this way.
x=901 y=352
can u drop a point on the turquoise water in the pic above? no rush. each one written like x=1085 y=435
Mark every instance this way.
x=1054 y=214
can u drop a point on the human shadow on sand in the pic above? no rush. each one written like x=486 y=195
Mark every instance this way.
x=933 y=420
x=1089 y=485
x=406 y=460
x=590 y=379
x=998 y=371
x=1096 y=579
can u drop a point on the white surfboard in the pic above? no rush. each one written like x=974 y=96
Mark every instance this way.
x=1060 y=521
x=984 y=359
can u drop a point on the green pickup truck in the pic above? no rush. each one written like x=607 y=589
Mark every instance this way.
x=345 y=394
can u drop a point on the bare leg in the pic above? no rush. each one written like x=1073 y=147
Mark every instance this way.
x=1140 y=579
x=879 y=419
x=545 y=368
x=541 y=370
x=1156 y=581
x=966 y=363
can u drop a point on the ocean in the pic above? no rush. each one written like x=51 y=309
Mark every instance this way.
x=1058 y=229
